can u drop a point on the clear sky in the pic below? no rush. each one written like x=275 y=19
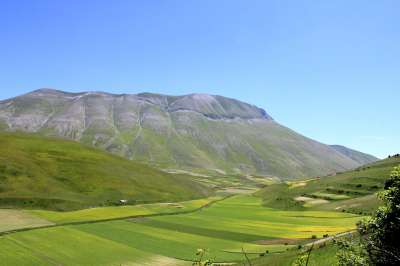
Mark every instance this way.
x=327 y=69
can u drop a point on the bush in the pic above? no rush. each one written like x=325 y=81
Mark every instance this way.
x=378 y=242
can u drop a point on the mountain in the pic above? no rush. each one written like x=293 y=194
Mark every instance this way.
x=49 y=173
x=192 y=132
x=357 y=156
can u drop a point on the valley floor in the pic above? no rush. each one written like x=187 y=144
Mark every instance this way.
x=222 y=228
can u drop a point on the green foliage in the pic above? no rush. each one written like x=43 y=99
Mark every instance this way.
x=378 y=242
x=381 y=233
x=301 y=260
x=198 y=261
x=351 y=252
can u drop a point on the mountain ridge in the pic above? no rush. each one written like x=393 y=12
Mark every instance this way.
x=354 y=154
x=164 y=101
x=195 y=131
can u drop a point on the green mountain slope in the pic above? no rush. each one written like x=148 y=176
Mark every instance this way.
x=352 y=191
x=38 y=172
x=192 y=132
x=357 y=156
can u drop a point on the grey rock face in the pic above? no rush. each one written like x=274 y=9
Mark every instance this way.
x=196 y=131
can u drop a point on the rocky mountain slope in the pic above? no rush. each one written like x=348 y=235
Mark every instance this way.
x=193 y=132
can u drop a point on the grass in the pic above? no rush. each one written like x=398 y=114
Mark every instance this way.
x=15 y=219
x=329 y=196
x=103 y=213
x=55 y=174
x=320 y=256
x=352 y=191
x=43 y=247
x=254 y=222
x=220 y=228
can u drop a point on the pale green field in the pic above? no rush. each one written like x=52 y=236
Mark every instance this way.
x=223 y=229
x=15 y=219
x=103 y=213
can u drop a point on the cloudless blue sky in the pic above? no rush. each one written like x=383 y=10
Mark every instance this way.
x=327 y=69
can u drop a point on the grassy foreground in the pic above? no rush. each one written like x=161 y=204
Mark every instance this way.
x=47 y=173
x=223 y=229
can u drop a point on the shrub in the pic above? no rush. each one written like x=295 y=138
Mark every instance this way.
x=378 y=242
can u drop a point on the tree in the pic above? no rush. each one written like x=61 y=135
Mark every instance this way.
x=379 y=236
x=381 y=233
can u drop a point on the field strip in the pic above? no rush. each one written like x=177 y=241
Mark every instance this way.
x=39 y=255
x=116 y=218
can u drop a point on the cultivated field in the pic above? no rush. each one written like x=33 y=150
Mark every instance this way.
x=352 y=191
x=223 y=229
x=15 y=219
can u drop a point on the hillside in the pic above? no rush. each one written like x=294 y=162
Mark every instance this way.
x=37 y=172
x=357 y=156
x=352 y=191
x=196 y=132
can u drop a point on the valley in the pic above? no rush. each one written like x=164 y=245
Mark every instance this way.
x=194 y=177
x=269 y=225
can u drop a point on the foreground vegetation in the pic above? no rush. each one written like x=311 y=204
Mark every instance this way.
x=378 y=241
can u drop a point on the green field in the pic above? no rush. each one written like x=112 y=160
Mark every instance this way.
x=55 y=174
x=104 y=213
x=320 y=256
x=352 y=191
x=16 y=219
x=223 y=229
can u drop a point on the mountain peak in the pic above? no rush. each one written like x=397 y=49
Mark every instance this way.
x=211 y=106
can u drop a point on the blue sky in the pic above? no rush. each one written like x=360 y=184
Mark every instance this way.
x=327 y=69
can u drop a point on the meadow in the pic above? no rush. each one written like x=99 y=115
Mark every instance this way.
x=57 y=174
x=223 y=229
x=352 y=191
x=118 y=212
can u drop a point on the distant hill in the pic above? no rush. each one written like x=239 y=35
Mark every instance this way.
x=193 y=132
x=357 y=156
x=351 y=191
x=37 y=172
